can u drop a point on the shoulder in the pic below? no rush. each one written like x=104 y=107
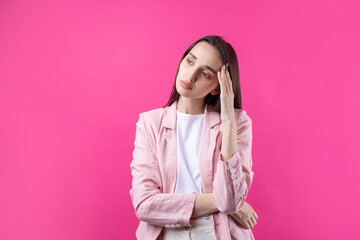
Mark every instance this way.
x=154 y=115
x=152 y=119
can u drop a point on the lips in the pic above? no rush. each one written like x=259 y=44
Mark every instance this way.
x=186 y=85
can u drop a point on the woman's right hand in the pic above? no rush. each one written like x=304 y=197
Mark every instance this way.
x=246 y=217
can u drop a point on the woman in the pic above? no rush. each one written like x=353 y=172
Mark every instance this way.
x=192 y=160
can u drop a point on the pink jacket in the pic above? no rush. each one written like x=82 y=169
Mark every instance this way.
x=154 y=170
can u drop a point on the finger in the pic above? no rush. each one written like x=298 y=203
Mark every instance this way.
x=253 y=221
x=252 y=225
x=253 y=212
x=247 y=225
x=229 y=78
x=223 y=75
x=220 y=82
x=256 y=216
x=227 y=81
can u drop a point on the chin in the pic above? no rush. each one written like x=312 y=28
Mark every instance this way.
x=182 y=91
x=185 y=94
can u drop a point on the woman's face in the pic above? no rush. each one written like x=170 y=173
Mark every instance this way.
x=197 y=76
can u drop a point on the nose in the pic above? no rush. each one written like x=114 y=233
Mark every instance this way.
x=194 y=75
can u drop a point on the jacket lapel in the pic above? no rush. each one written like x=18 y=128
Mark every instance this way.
x=171 y=147
x=209 y=137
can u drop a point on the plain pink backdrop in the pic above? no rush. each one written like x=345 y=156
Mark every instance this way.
x=74 y=75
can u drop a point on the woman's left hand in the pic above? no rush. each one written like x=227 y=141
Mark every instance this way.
x=226 y=95
x=246 y=217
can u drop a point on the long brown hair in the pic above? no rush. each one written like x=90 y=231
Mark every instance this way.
x=228 y=54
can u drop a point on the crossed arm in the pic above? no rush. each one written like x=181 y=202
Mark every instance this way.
x=204 y=205
x=231 y=183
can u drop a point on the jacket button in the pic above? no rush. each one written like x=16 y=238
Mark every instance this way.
x=187 y=228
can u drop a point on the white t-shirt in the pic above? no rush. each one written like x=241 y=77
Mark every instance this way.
x=188 y=129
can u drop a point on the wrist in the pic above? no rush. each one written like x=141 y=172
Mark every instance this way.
x=229 y=122
x=212 y=204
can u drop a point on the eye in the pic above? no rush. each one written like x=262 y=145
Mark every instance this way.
x=205 y=74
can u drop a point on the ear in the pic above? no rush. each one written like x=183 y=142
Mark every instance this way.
x=216 y=91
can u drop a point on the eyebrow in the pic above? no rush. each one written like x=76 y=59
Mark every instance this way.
x=208 y=67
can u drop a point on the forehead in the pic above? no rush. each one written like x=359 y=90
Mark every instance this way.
x=206 y=54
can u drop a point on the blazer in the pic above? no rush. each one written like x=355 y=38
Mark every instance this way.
x=154 y=172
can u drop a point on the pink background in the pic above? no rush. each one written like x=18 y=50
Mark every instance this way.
x=75 y=75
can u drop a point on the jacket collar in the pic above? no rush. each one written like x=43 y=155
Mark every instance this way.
x=210 y=118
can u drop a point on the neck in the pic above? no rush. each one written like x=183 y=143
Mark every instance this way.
x=191 y=106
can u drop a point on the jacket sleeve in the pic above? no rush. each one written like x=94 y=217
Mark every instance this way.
x=233 y=177
x=150 y=204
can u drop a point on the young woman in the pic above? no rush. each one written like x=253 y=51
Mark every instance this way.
x=192 y=160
